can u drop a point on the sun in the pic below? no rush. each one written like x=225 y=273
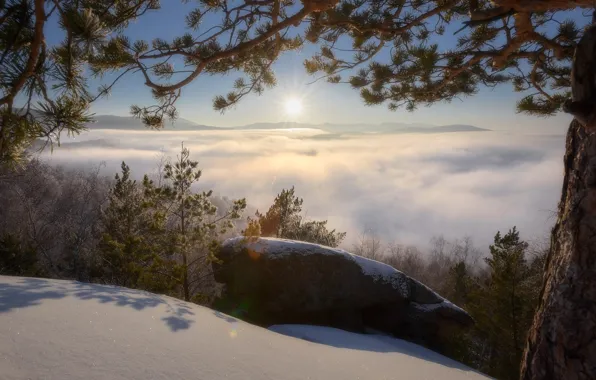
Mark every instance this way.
x=293 y=106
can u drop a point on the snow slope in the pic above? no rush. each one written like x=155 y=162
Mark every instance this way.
x=65 y=330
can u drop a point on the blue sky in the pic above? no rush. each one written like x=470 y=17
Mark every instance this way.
x=323 y=102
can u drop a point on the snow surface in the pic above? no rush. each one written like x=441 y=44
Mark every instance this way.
x=65 y=330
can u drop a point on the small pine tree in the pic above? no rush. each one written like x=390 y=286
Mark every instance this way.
x=283 y=216
x=458 y=287
x=130 y=253
x=253 y=228
x=503 y=306
x=459 y=283
x=188 y=221
x=283 y=220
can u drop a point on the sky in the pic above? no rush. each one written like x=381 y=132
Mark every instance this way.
x=322 y=102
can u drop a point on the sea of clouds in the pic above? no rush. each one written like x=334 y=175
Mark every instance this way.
x=406 y=187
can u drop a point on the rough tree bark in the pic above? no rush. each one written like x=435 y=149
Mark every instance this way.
x=562 y=341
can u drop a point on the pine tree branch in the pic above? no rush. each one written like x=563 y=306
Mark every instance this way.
x=10 y=46
x=176 y=279
x=240 y=48
x=49 y=14
x=535 y=83
x=199 y=278
x=390 y=30
x=249 y=89
x=6 y=15
x=34 y=54
x=199 y=258
x=543 y=5
x=107 y=89
x=419 y=72
x=486 y=17
x=346 y=66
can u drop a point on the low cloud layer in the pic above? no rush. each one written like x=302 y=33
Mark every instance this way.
x=408 y=187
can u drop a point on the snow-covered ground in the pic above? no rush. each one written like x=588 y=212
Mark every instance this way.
x=67 y=330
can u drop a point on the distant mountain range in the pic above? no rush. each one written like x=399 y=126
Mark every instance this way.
x=129 y=123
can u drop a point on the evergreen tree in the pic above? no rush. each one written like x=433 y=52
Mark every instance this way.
x=188 y=221
x=283 y=220
x=130 y=252
x=503 y=306
x=464 y=347
x=253 y=228
x=283 y=216
x=18 y=258
x=459 y=284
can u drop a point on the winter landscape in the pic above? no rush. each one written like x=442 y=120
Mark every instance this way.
x=297 y=189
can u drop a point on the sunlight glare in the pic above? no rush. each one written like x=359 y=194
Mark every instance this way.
x=293 y=106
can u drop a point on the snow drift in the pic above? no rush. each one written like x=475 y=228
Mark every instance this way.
x=51 y=329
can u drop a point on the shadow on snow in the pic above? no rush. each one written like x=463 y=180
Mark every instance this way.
x=33 y=291
x=333 y=337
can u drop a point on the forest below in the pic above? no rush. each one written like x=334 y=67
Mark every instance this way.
x=161 y=235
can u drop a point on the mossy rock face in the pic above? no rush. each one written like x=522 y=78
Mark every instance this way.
x=274 y=281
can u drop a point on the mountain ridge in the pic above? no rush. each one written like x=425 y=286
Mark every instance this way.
x=130 y=123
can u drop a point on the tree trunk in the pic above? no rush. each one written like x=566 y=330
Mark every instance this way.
x=562 y=340
x=185 y=283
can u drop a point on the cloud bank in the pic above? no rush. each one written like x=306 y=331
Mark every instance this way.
x=407 y=187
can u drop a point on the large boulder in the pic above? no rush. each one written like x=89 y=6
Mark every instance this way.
x=276 y=281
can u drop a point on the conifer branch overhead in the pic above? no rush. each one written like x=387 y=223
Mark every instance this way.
x=43 y=89
x=498 y=42
x=204 y=61
x=35 y=49
x=250 y=37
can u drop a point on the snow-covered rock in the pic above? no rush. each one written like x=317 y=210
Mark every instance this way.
x=276 y=281
x=51 y=329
